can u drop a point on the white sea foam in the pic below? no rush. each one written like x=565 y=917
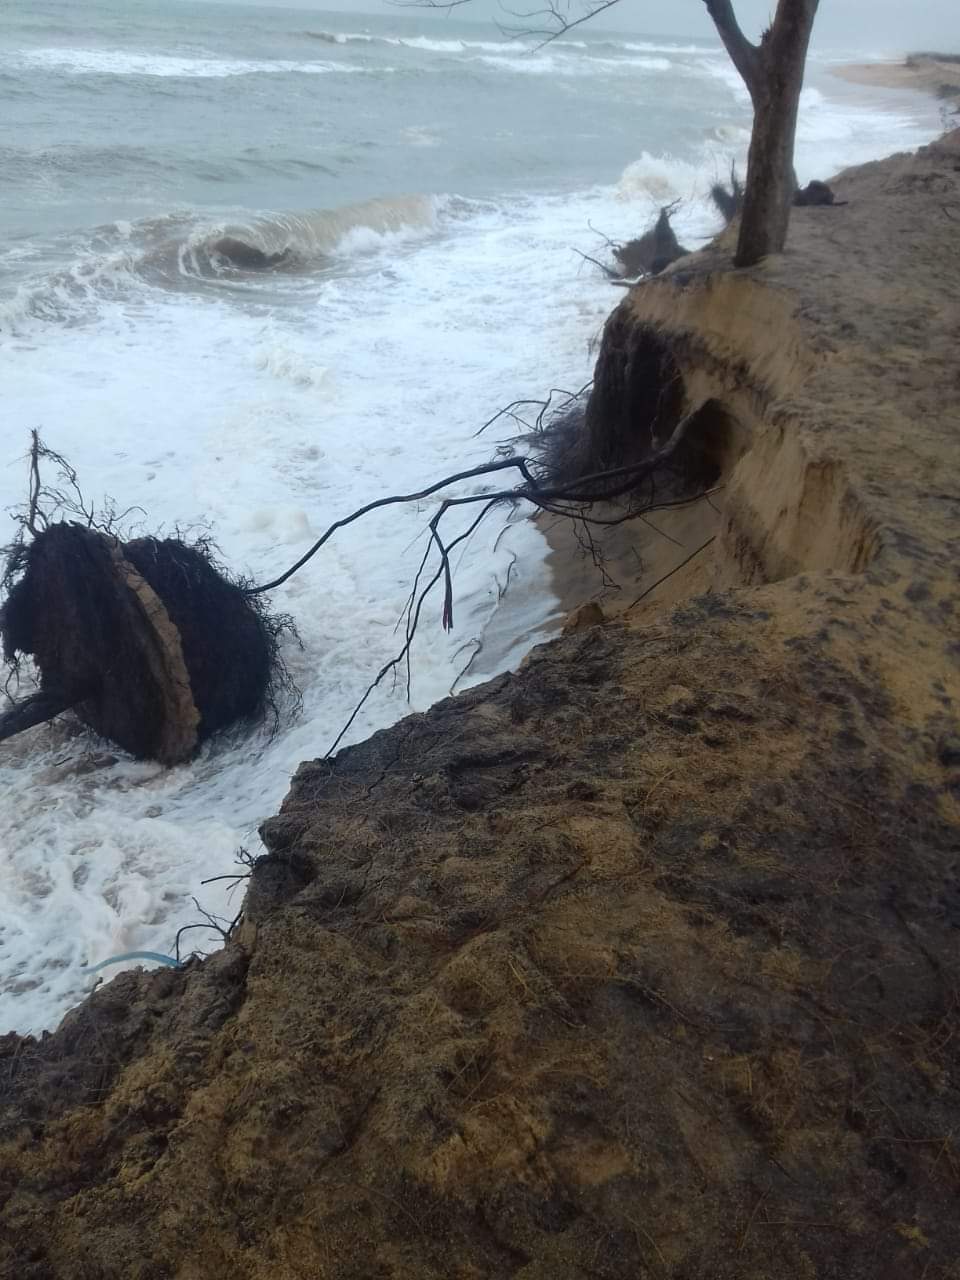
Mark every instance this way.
x=719 y=68
x=169 y=251
x=662 y=178
x=424 y=44
x=269 y=433
x=345 y=230
x=568 y=57
x=119 y=62
x=428 y=44
x=652 y=46
x=291 y=358
x=629 y=64
x=563 y=64
x=541 y=64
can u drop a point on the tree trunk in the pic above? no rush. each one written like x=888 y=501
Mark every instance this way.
x=771 y=182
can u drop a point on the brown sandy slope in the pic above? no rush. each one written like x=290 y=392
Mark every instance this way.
x=642 y=962
x=926 y=72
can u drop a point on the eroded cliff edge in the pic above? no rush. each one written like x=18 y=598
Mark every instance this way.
x=642 y=961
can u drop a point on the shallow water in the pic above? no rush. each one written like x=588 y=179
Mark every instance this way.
x=426 y=185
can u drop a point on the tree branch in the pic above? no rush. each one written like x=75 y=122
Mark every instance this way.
x=607 y=271
x=429 y=4
x=676 y=569
x=571 y=500
x=744 y=55
x=519 y=464
x=556 y=14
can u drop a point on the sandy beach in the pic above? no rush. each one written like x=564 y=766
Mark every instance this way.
x=939 y=75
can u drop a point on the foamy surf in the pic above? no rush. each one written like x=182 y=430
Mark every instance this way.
x=178 y=251
x=561 y=64
x=117 y=62
x=329 y=231
x=424 y=44
x=222 y=416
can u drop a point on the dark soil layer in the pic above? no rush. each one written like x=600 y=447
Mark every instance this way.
x=642 y=962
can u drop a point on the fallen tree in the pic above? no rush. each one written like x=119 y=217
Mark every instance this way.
x=154 y=646
x=652 y=252
x=148 y=641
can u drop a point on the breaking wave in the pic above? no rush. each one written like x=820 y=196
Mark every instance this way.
x=524 y=57
x=291 y=240
x=429 y=45
x=118 y=62
x=181 y=251
x=653 y=46
x=663 y=179
x=544 y=64
x=423 y=43
x=567 y=57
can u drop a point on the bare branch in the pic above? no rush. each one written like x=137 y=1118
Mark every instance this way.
x=744 y=55
x=516 y=463
x=611 y=244
x=556 y=16
x=607 y=271
x=33 y=509
x=571 y=500
x=676 y=569
x=429 y=4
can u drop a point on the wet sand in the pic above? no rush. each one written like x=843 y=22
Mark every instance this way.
x=923 y=73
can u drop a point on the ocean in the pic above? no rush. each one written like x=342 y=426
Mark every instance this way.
x=426 y=184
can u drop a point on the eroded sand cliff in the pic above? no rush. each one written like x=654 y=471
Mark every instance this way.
x=642 y=961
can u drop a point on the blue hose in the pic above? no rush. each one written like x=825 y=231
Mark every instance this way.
x=134 y=955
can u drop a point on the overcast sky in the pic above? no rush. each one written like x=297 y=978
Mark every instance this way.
x=861 y=24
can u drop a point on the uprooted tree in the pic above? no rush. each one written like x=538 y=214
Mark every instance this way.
x=147 y=640
x=156 y=647
x=773 y=74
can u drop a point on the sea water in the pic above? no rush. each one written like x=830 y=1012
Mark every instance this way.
x=428 y=184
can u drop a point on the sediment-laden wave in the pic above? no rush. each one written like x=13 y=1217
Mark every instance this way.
x=183 y=251
x=304 y=235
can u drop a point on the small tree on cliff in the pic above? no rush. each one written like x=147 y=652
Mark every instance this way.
x=773 y=73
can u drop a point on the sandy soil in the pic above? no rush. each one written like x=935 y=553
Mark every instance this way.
x=928 y=74
x=640 y=963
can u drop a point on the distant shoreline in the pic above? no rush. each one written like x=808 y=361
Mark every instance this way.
x=937 y=74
